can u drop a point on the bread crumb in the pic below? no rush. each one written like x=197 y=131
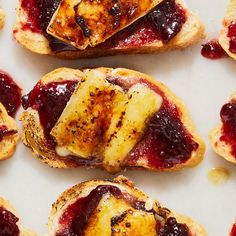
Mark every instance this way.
x=2 y=18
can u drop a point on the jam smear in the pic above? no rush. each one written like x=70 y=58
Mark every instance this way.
x=213 y=50
x=232 y=35
x=228 y=117
x=49 y=100
x=173 y=228
x=5 y=132
x=10 y=94
x=8 y=226
x=233 y=231
x=75 y=218
x=166 y=142
x=162 y=23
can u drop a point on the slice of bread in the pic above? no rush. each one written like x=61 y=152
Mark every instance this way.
x=220 y=147
x=2 y=18
x=116 y=215
x=7 y=142
x=229 y=17
x=7 y=206
x=191 y=33
x=33 y=134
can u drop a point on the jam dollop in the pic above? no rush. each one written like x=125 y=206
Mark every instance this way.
x=213 y=50
x=233 y=230
x=228 y=117
x=4 y=131
x=10 y=94
x=75 y=218
x=162 y=23
x=232 y=35
x=49 y=100
x=173 y=228
x=8 y=226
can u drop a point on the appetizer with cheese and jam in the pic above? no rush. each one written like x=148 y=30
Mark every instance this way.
x=108 y=118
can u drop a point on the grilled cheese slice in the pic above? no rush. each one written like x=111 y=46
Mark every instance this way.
x=103 y=120
x=83 y=23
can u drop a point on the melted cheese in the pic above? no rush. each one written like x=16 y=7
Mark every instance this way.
x=101 y=120
x=85 y=23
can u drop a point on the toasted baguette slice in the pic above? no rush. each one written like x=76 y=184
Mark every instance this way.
x=2 y=18
x=191 y=33
x=219 y=146
x=7 y=141
x=229 y=17
x=117 y=215
x=75 y=150
x=7 y=206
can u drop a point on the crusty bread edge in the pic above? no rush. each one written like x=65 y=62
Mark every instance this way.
x=220 y=147
x=72 y=194
x=191 y=33
x=65 y=73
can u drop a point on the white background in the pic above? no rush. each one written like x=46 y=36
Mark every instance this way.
x=204 y=85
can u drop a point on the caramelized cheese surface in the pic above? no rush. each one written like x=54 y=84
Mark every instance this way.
x=85 y=23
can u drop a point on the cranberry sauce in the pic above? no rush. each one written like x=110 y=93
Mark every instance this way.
x=75 y=218
x=228 y=117
x=10 y=94
x=8 y=226
x=233 y=231
x=162 y=23
x=173 y=228
x=5 y=132
x=166 y=142
x=213 y=50
x=232 y=36
x=49 y=100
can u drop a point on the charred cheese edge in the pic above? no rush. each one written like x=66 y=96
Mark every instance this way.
x=83 y=23
x=101 y=120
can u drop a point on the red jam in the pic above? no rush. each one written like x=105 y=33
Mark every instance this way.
x=10 y=94
x=49 y=100
x=232 y=36
x=162 y=23
x=5 y=132
x=173 y=228
x=233 y=231
x=74 y=220
x=8 y=226
x=213 y=50
x=228 y=117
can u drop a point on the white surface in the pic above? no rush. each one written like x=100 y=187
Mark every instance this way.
x=204 y=85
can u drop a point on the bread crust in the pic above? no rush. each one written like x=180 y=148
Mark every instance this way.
x=8 y=143
x=2 y=18
x=230 y=15
x=191 y=33
x=124 y=184
x=33 y=136
x=8 y=206
x=220 y=147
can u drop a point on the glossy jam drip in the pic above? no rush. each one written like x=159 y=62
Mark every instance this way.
x=8 y=226
x=5 y=132
x=10 y=94
x=162 y=23
x=166 y=142
x=233 y=231
x=213 y=50
x=173 y=228
x=232 y=35
x=228 y=117
x=49 y=100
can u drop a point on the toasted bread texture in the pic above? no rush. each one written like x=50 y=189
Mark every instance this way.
x=7 y=205
x=229 y=17
x=110 y=207
x=33 y=135
x=7 y=142
x=191 y=33
x=220 y=147
x=2 y=18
